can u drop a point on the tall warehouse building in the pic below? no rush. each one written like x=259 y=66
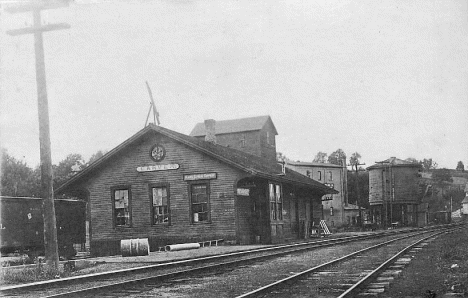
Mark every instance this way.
x=394 y=192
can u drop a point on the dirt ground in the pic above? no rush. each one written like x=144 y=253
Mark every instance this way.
x=439 y=270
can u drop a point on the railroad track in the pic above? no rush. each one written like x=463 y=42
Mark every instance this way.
x=146 y=277
x=361 y=273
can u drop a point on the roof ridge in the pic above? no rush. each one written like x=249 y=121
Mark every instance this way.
x=252 y=164
x=234 y=125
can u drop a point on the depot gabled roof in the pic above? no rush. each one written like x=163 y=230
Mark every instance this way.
x=234 y=125
x=252 y=164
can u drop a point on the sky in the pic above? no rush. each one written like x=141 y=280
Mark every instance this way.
x=381 y=78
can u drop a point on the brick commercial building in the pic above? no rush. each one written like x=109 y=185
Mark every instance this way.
x=336 y=209
x=173 y=188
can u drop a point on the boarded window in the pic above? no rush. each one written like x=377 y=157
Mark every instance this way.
x=199 y=195
x=121 y=202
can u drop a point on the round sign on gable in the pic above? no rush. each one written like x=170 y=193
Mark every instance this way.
x=157 y=152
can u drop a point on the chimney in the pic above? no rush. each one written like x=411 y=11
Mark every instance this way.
x=210 y=128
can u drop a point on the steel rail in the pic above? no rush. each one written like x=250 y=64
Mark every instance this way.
x=371 y=275
x=162 y=265
x=163 y=277
x=296 y=247
x=271 y=286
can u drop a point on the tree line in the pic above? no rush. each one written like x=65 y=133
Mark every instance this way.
x=20 y=180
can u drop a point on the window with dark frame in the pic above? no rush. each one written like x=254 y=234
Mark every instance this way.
x=319 y=175
x=160 y=213
x=121 y=202
x=272 y=202
x=330 y=176
x=276 y=202
x=199 y=196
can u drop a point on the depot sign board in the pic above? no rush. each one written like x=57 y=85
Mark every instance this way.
x=204 y=176
x=243 y=192
x=154 y=168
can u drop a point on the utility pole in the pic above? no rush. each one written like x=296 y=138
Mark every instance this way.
x=357 y=192
x=47 y=192
x=356 y=164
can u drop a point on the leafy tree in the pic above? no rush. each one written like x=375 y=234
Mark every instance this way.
x=101 y=153
x=355 y=159
x=455 y=198
x=18 y=179
x=438 y=195
x=338 y=157
x=442 y=178
x=66 y=168
x=363 y=185
x=460 y=166
x=412 y=159
x=428 y=164
x=321 y=157
x=280 y=157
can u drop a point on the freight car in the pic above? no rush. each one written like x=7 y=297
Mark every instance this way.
x=22 y=225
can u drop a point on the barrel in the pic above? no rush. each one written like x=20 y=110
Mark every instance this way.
x=134 y=247
x=183 y=246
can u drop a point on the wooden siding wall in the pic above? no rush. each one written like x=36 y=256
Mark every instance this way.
x=253 y=224
x=268 y=150
x=122 y=171
x=255 y=141
x=244 y=215
x=376 y=186
x=233 y=140
x=406 y=185
x=405 y=181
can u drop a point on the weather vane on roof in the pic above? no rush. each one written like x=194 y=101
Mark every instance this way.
x=152 y=107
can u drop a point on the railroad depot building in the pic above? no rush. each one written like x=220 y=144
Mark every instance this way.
x=394 y=193
x=336 y=209
x=173 y=188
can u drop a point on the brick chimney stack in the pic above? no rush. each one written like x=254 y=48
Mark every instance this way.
x=210 y=128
